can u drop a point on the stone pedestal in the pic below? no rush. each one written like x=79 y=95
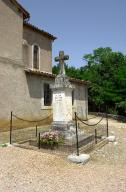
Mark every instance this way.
x=62 y=104
x=62 y=109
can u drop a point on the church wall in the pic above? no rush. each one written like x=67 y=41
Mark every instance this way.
x=81 y=101
x=19 y=93
x=23 y=94
x=45 y=45
x=11 y=29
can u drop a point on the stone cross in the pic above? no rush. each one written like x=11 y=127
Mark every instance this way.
x=61 y=60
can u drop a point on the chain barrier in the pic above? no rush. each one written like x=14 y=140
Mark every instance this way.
x=94 y=117
x=31 y=120
x=26 y=120
x=89 y=124
x=89 y=118
x=97 y=134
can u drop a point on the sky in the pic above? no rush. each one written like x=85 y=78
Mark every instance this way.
x=80 y=25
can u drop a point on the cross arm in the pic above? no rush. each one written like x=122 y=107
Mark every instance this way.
x=66 y=57
x=57 y=59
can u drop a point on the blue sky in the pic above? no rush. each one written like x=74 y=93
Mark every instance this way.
x=80 y=25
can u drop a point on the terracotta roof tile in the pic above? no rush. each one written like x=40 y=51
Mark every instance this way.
x=26 y=14
x=52 y=76
x=41 y=31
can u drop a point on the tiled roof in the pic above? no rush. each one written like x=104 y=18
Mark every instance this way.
x=79 y=81
x=26 y=14
x=41 y=31
x=52 y=76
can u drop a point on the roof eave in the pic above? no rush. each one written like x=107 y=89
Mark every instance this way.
x=36 y=29
x=52 y=76
x=26 y=14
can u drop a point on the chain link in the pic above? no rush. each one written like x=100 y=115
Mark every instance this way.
x=31 y=120
x=89 y=124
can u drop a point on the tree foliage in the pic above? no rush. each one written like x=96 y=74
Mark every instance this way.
x=106 y=70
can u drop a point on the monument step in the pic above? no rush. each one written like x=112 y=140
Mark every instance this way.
x=101 y=144
x=91 y=148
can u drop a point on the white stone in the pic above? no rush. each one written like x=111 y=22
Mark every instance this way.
x=103 y=137
x=9 y=145
x=83 y=158
x=115 y=143
x=5 y=145
x=62 y=105
x=111 y=138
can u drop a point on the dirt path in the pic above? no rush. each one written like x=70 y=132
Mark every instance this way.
x=24 y=170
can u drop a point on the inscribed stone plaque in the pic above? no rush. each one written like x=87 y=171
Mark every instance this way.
x=58 y=97
x=58 y=106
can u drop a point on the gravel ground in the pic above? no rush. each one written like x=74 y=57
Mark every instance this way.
x=23 y=170
x=21 y=134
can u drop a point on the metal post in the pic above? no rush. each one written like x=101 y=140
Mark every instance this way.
x=39 y=141
x=95 y=136
x=107 y=124
x=77 y=134
x=36 y=130
x=11 y=121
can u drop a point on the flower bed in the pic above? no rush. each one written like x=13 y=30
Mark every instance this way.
x=51 y=139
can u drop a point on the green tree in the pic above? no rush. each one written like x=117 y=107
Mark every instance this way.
x=106 y=70
x=55 y=69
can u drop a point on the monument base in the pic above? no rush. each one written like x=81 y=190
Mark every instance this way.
x=62 y=125
x=68 y=130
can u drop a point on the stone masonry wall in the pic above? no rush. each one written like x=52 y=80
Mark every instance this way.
x=19 y=93
x=23 y=94
x=81 y=101
x=11 y=29
x=45 y=45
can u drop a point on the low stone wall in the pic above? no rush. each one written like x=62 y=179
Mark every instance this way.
x=116 y=117
x=25 y=121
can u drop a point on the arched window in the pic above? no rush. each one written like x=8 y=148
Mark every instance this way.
x=36 y=57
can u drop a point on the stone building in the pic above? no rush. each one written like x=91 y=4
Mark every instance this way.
x=26 y=67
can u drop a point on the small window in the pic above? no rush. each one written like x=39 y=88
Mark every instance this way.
x=72 y=97
x=47 y=95
x=36 y=57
